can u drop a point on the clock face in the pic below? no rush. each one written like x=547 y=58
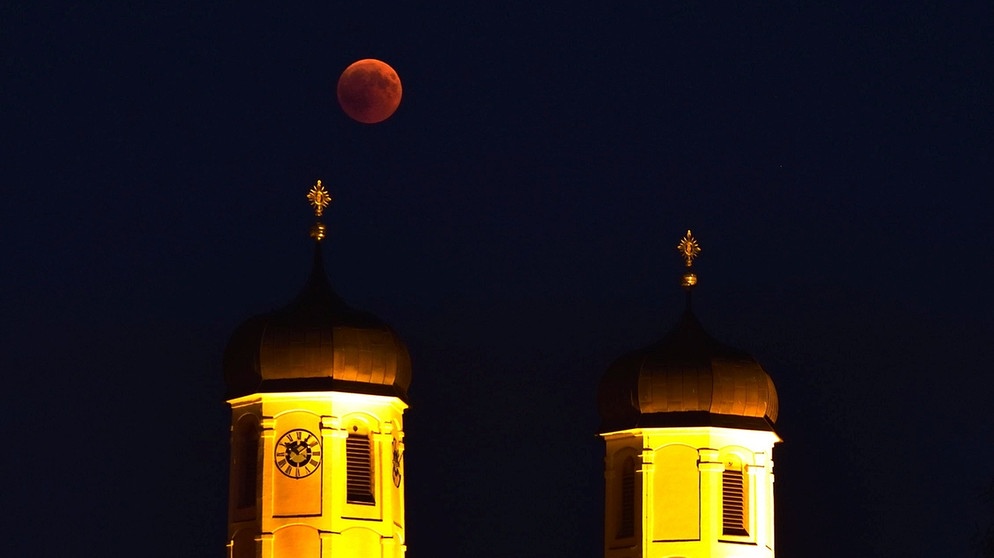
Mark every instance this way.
x=298 y=453
x=397 y=456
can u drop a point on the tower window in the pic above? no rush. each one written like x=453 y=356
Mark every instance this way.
x=626 y=523
x=245 y=463
x=733 y=503
x=359 y=469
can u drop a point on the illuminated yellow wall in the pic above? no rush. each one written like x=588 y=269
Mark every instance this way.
x=678 y=492
x=304 y=512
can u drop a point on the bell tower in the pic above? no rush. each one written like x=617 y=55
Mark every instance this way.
x=688 y=429
x=317 y=393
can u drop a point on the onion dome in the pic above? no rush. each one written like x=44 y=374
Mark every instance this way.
x=687 y=378
x=317 y=342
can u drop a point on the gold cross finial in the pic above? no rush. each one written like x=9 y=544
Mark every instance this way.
x=689 y=249
x=319 y=198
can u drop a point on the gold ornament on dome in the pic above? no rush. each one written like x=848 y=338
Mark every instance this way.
x=689 y=248
x=319 y=198
x=318 y=231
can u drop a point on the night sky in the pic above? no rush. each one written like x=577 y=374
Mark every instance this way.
x=515 y=221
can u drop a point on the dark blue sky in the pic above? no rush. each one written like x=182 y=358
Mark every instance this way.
x=516 y=222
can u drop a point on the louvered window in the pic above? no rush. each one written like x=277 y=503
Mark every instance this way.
x=359 y=469
x=246 y=463
x=733 y=503
x=626 y=525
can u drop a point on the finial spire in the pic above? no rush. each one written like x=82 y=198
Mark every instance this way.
x=689 y=249
x=319 y=199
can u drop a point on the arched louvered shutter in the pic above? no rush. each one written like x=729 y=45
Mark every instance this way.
x=359 y=469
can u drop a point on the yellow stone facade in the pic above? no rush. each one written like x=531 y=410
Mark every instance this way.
x=279 y=511
x=664 y=493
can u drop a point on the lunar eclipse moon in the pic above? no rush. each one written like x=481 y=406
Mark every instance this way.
x=369 y=91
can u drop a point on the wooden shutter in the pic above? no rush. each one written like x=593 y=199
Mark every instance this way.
x=359 y=469
x=626 y=523
x=733 y=517
x=245 y=452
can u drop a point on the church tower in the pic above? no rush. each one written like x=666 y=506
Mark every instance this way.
x=688 y=429
x=317 y=393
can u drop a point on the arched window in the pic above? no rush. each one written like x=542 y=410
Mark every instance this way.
x=359 y=467
x=734 y=499
x=626 y=521
x=245 y=463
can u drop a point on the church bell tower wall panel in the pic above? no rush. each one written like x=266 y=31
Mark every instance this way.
x=675 y=494
x=246 y=456
x=623 y=490
x=361 y=541
x=396 y=477
x=296 y=540
x=298 y=456
x=245 y=499
x=358 y=461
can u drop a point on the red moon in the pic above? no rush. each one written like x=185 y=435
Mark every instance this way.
x=369 y=91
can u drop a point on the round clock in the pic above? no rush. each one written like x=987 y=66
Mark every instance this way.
x=397 y=456
x=298 y=453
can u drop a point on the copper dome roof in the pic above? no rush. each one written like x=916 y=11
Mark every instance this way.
x=316 y=343
x=687 y=378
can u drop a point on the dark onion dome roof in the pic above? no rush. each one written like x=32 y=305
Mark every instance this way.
x=687 y=378
x=316 y=343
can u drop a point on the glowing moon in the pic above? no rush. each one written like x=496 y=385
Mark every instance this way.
x=369 y=91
